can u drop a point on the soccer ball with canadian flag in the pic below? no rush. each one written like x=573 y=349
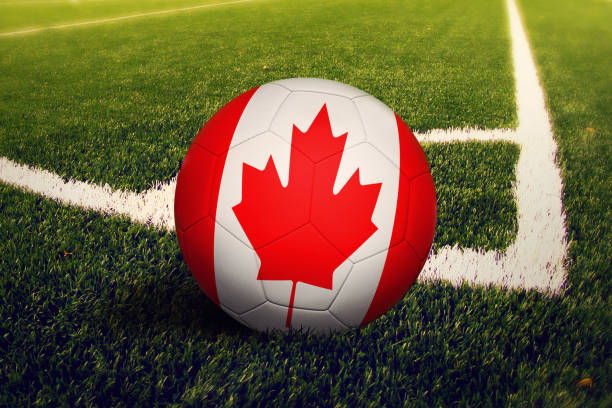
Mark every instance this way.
x=305 y=204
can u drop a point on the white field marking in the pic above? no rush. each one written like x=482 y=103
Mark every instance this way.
x=533 y=261
x=112 y=19
x=466 y=135
x=28 y=2
x=154 y=206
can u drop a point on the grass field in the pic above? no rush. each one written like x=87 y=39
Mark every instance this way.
x=21 y=15
x=149 y=84
x=98 y=310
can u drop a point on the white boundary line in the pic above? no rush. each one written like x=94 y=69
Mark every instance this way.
x=112 y=19
x=467 y=135
x=533 y=261
x=154 y=206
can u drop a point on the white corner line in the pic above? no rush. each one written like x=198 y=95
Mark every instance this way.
x=113 y=19
x=154 y=206
x=467 y=135
x=536 y=258
x=151 y=207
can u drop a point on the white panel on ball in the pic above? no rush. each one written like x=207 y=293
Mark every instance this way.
x=380 y=126
x=301 y=108
x=278 y=291
x=259 y=112
x=254 y=152
x=236 y=273
x=353 y=301
x=266 y=317
x=321 y=85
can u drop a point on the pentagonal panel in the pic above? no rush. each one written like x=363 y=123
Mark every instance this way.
x=320 y=85
x=278 y=291
x=301 y=108
x=313 y=297
x=256 y=153
x=373 y=169
x=266 y=317
x=353 y=301
x=316 y=322
x=259 y=112
x=236 y=273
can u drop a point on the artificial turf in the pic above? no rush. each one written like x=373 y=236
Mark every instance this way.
x=28 y=14
x=119 y=103
x=99 y=311
x=474 y=190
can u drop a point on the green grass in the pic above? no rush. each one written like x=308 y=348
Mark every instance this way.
x=99 y=311
x=22 y=15
x=118 y=320
x=108 y=308
x=476 y=204
x=121 y=104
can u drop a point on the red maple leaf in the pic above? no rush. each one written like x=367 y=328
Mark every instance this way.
x=304 y=231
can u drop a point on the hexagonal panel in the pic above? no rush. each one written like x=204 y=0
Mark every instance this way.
x=401 y=212
x=353 y=300
x=301 y=256
x=268 y=210
x=400 y=271
x=278 y=291
x=259 y=112
x=301 y=108
x=391 y=136
x=236 y=272
x=266 y=317
x=380 y=126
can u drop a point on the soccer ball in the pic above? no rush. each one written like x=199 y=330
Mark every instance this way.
x=305 y=204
